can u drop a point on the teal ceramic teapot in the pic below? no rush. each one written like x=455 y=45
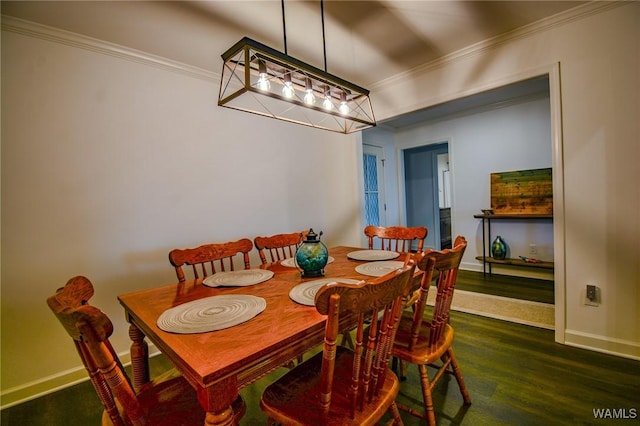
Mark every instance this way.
x=312 y=255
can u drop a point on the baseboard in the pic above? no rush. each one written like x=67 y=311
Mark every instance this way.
x=594 y=342
x=37 y=388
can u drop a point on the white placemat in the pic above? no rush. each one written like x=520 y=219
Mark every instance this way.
x=305 y=293
x=240 y=278
x=378 y=269
x=372 y=255
x=211 y=313
x=291 y=262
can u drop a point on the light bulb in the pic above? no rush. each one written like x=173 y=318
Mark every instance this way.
x=309 y=98
x=287 y=89
x=344 y=108
x=263 y=80
x=327 y=104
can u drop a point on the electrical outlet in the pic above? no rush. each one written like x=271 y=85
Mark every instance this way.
x=533 y=249
x=592 y=295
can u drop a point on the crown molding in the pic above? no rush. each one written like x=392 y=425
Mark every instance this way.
x=56 y=35
x=576 y=13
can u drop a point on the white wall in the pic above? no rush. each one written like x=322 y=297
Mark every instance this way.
x=599 y=91
x=109 y=161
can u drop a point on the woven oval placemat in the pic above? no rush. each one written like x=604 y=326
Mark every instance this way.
x=305 y=293
x=378 y=269
x=240 y=278
x=372 y=255
x=211 y=313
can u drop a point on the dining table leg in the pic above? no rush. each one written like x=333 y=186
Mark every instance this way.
x=225 y=418
x=217 y=400
x=139 y=358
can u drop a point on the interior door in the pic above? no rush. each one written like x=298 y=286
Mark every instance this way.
x=423 y=191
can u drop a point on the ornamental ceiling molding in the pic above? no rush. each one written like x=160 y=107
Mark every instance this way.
x=577 y=13
x=68 y=38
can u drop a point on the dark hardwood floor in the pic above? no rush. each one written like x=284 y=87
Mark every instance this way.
x=516 y=375
x=536 y=290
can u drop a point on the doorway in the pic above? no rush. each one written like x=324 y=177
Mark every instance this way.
x=428 y=192
x=401 y=132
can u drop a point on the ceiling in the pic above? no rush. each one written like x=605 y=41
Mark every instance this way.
x=366 y=41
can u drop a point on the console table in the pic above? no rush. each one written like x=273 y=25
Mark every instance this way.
x=486 y=241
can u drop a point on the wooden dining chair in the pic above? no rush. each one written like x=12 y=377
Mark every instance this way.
x=340 y=385
x=169 y=400
x=396 y=238
x=210 y=258
x=278 y=247
x=429 y=343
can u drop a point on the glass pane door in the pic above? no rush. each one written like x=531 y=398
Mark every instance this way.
x=373 y=167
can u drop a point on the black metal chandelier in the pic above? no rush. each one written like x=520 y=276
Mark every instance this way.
x=264 y=81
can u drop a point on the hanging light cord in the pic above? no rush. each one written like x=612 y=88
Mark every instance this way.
x=324 y=43
x=284 y=29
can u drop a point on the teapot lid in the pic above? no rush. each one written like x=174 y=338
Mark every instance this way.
x=312 y=237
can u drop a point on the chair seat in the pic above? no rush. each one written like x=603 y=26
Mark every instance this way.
x=172 y=402
x=293 y=399
x=421 y=353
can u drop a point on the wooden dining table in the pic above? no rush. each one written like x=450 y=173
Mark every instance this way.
x=220 y=363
